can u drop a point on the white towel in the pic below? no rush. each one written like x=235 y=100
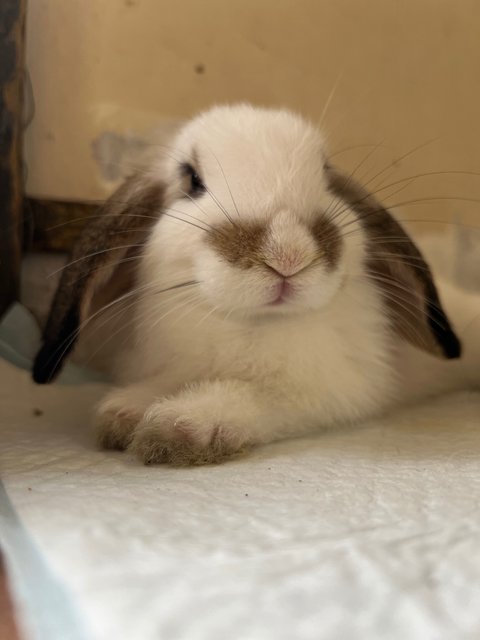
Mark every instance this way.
x=366 y=533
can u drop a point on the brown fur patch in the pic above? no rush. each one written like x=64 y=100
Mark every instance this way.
x=123 y=221
x=398 y=268
x=239 y=243
x=329 y=241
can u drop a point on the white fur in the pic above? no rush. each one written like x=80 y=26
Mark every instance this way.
x=214 y=367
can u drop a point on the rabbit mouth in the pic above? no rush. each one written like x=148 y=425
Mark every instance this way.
x=283 y=294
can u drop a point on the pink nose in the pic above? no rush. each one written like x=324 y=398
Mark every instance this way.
x=284 y=271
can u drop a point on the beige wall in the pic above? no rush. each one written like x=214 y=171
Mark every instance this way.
x=406 y=73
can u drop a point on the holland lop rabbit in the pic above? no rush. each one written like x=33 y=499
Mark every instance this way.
x=270 y=295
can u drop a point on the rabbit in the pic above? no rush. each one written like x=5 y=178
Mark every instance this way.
x=270 y=295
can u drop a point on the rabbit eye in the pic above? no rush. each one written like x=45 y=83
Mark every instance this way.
x=195 y=186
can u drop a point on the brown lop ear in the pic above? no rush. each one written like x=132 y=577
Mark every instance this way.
x=396 y=265
x=92 y=276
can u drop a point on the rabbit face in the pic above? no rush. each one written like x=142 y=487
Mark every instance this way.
x=249 y=216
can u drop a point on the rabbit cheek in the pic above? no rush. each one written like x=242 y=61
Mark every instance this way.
x=225 y=286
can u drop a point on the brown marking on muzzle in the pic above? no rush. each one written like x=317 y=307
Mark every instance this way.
x=239 y=243
x=329 y=241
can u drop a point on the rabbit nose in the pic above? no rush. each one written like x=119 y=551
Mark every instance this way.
x=289 y=247
x=286 y=270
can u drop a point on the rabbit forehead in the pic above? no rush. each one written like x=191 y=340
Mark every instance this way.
x=267 y=152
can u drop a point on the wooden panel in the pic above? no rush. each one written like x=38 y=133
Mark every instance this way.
x=12 y=20
x=54 y=226
x=400 y=74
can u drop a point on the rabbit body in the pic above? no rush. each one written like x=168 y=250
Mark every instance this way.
x=207 y=386
x=263 y=306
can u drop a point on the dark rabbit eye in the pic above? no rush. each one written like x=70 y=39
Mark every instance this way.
x=195 y=186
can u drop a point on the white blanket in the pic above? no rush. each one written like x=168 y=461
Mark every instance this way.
x=365 y=533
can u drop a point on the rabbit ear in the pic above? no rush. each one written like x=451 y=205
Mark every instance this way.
x=396 y=265
x=119 y=231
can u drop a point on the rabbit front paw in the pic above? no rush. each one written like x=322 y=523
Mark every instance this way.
x=115 y=420
x=179 y=433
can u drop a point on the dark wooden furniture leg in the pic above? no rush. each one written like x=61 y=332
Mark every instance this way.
x=12 y=29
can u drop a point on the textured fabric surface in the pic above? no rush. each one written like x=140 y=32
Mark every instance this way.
x=367 y=533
